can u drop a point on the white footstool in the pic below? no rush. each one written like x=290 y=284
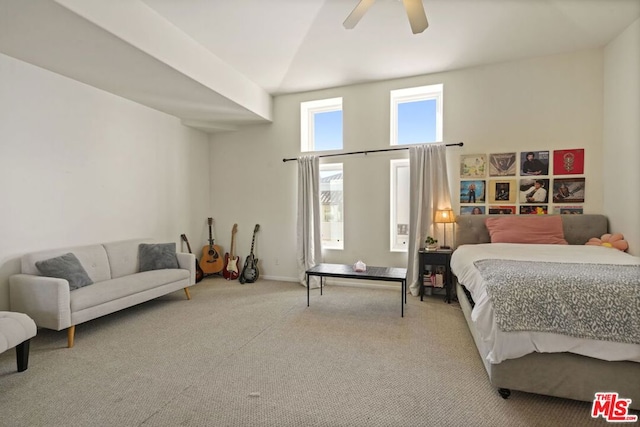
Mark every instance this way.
x=16 y=330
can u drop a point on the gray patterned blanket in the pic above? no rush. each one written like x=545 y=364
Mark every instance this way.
x=595 y=301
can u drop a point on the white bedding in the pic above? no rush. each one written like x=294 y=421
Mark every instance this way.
x=510 y=345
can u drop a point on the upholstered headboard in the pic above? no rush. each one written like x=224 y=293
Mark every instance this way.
x=578 y=229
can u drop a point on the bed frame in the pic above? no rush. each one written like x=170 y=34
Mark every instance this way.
x=565 y=375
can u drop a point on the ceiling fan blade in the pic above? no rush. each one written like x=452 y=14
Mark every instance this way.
x=357 y=13
x=416 y=15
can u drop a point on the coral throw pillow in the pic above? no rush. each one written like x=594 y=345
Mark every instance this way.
x=615 y=241
x=526 y=229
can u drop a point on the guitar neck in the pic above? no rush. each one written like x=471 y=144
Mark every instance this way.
x=184 y=237
x=210 y=221
x=233 y=245
x=252 y=243
x=253 y=240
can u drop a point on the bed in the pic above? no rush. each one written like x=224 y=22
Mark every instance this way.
x=541 y=360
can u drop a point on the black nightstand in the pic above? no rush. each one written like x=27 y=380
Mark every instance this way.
x=432 y=258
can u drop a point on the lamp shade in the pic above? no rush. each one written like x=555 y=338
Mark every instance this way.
x=444 y=216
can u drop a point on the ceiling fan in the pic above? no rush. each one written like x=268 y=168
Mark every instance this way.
x=414 y=8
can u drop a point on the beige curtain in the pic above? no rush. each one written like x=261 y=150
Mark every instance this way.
x=309 y=247
x=429 y=191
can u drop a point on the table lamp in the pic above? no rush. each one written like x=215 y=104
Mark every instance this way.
x=444 y=216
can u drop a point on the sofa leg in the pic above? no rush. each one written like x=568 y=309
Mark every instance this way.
x=22 y=355
x=71 y=334
x=186 y=291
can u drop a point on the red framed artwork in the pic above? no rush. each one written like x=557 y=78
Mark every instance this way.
x=568 y=162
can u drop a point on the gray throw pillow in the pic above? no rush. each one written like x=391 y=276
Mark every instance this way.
x=66 y=267
x=157 y=256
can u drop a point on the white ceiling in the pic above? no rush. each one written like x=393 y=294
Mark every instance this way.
x=216 y=63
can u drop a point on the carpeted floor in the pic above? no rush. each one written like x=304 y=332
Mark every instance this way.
x=256 y=355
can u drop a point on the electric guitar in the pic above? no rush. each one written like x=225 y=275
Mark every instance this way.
x=250 y=271
x=231 y=271
x=199 y=272
x=211 y=262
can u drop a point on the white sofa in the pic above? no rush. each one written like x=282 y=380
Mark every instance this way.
x=118 y=283
x=16 y=330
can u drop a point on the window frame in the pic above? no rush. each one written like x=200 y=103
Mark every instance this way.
x=308 y=110
x=412 y=94
x=395 y=164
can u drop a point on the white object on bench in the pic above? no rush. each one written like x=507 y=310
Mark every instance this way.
x=16 y=330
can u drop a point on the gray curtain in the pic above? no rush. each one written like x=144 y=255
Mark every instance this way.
x=309 y=247
x=429 y=191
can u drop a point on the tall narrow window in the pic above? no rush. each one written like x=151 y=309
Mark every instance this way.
x=399 y=205
x=331 y=206
x=416 y=115
x=321 y=125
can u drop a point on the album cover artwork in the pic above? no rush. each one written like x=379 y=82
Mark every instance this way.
x=568 y=162
x=503 y=164
x=568 y=190
x=472 y=210
x=502 y=210
x=473 y=166
x=534 y=162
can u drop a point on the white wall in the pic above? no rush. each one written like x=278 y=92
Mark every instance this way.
x=622 y=135
x=81 y=166
x=537 y=104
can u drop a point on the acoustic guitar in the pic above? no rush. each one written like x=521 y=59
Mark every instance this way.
x=250 y=271
x=211 y=261
x=199 y=272
x=231 y=270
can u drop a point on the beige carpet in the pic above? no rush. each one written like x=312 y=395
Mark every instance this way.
x=256 y=355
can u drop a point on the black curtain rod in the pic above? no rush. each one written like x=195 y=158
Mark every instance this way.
x=459 y=144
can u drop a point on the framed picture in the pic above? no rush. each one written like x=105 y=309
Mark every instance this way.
x=534 y=190
x=472 y=191
x=534 y=162
x=502 y=210
x=502 y=191
x=568 y=162
x=533 y=210
x=503 y=164
x=568 y=210
x=568 y=190
x=472 y=210
x=473 y=166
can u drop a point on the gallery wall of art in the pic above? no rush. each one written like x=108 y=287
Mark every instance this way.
x=524 y=182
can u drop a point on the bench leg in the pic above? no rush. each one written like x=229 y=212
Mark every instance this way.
x=186 y=291
x=71 y=334
x=22 y=355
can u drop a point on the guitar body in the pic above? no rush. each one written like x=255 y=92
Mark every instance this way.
x=199 y=272
x=250 y=272
x=231 y=269
x=211 y=261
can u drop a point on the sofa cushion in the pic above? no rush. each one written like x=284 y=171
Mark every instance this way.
x=93 y=258
x=65 y=267
x=121 y=287
x=123 y=256
x=15 y=328
x=157 y=256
